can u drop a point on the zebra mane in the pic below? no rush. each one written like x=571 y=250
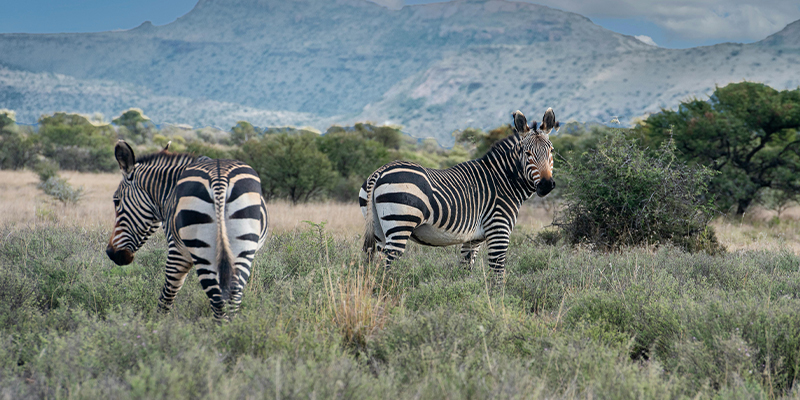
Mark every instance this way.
x=166 y=157
x=504 y=145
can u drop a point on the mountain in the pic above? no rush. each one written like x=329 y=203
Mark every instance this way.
x=433 y=68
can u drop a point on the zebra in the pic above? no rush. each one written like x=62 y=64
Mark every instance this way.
x=213 y=216
x=470 y=203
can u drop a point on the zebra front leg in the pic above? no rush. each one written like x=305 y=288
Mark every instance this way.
x=469 y=251
x=176 y=270
x=497 y=243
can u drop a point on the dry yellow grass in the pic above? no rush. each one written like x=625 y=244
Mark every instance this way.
x=21 y=203
x=24 y=204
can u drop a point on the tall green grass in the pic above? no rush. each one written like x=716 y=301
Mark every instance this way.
x=569 y=323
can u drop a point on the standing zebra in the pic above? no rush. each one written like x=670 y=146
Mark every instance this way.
x=214 y=218
x=470 y=203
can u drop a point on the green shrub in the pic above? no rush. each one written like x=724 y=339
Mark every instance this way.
x=59 y=189
x=617 y=195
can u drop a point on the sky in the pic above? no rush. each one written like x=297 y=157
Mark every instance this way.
x=666 y=23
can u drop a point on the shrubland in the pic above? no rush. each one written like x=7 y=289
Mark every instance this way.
x=317 y=322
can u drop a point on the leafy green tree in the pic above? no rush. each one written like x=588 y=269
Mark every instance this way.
x=244 y=131
x=134 y=126
x=8 y=121
x=353 y=157
x=77 y=143
x=389 y=136
x=483 y=141
x=747 y=131
x=351 y=154
x=290 y=166
x=17 y=147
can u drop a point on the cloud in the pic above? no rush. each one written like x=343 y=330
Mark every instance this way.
x=646 y=40
x=731 y=20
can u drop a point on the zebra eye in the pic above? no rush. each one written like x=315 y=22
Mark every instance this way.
x=116 y=203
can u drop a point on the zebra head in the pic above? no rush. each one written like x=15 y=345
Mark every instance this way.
x=136 y=212
x=537 y=158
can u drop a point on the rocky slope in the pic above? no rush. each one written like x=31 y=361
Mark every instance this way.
x=433 y=68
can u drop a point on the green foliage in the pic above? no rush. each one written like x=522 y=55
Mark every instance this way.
x=483 y=141
x=8 y=121
x=617 y=195
x=76 y=143
x=57 y=187
x=747 y=131
x=388 y=136
x=244 y=131
x=46 y=169
x=777 y=200
x=17 y=148
x=290 y=166
x=200 y=148
x=630 y=324
x=135 y=127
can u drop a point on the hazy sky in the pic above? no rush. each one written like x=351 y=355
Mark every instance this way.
x=669 y=23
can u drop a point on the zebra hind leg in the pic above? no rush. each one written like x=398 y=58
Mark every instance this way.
x=469 y=252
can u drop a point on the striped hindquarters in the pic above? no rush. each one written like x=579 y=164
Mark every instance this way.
x=221 y=221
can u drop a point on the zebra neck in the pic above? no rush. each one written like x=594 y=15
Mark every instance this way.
x=159 y=181
x=504 y=163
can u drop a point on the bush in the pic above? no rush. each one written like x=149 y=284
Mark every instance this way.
x=617 y=195
x=58 y=188
x=290 y=166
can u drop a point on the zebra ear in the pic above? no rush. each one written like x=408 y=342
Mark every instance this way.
x=520 y=122
x=125 y=157
x=167 y=146
x=549 y=121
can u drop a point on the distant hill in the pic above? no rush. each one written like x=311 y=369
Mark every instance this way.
x=433 y=68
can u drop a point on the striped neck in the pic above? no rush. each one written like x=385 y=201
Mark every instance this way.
x=505 y=160
x=157 y=174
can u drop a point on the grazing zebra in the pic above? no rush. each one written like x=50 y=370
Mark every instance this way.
x=213 y=214
x=470 y=203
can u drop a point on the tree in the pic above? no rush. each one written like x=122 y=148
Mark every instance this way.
x=135 y=126
x=17 y=148
x=8 y=121
x=77 y=143
x=290 y=166
x=353 y=157
x=746 y=131
x=351 y=154
x=388 y=136
x=483 y=141
x=242 y=132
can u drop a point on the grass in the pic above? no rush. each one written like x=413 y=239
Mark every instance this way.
x=317 y=323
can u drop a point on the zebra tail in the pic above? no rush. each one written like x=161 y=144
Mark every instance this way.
x=224 y=264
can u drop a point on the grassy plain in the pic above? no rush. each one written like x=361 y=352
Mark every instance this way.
x=316 y=323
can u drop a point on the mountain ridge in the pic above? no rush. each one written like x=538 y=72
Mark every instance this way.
x=433 y=68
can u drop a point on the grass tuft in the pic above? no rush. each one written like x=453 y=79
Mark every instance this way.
x=359 y=304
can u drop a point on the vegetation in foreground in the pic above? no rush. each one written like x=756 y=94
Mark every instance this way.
x=314 y=323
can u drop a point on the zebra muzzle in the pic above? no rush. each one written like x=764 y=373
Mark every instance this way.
x=121 y=257
x=545 y=186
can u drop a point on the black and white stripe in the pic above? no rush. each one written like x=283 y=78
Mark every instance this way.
x=471 y=203
x=213 y=215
